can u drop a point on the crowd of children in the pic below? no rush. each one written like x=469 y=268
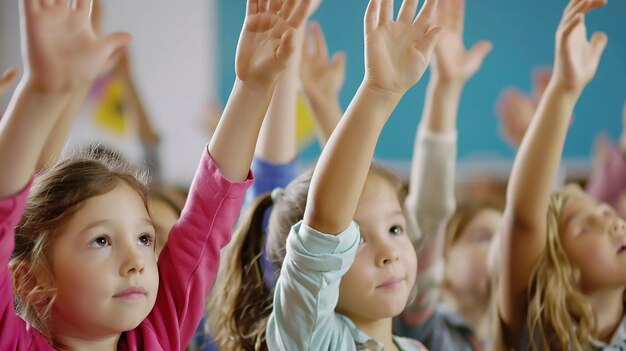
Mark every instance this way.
x=100 y=254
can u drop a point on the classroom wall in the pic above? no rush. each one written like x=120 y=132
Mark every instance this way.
x=522 y=32
x=172 y=56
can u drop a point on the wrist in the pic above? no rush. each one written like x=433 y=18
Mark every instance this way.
x=380 y=94
x=444 y=83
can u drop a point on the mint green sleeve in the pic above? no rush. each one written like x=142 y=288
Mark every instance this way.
x=307 y=291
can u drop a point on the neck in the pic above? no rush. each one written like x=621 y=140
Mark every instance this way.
x=68 y=343
x=474 y=309
x=608 y=310
x=379 y=330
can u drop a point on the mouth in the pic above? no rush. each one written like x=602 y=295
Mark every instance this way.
x=621 y=249
x=390 y=283
x=131 y=293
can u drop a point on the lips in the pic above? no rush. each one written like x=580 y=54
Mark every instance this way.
x=390 y=283
x=132 y=292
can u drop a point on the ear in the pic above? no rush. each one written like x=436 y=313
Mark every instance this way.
x=32 y=284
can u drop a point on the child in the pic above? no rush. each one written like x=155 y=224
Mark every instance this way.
x=87 y=219
x=339 y=291
x=452 y=326
x=562 y=278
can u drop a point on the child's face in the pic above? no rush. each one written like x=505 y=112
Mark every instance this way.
x=466 y=259
x=382 y=276
x=594 y=238
x=105 y=266
x=164 y=218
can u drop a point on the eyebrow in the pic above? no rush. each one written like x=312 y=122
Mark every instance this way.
x=104 y=222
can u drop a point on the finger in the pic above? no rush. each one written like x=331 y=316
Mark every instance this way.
x=115 y=42
x=83 y=6
x=385 y=15
x=477 y=54
x=457 y=15
x=428 y=42
x=407 y=11
x=299 y=14
x=30 y=6
x=574 y=11
x=370 y=15
x=426 y=16
x=7 y=79
x=263 y=6
x=598 y=44
x=338 y=63
x=252 y=7
x=286 y=47
x=321 y=48
x=569 y=26
x=286 y=9
x=594 y=4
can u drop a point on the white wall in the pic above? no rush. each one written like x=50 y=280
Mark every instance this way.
x=173 y=62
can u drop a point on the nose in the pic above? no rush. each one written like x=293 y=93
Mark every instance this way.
x=618 y=228
x=132 y=261
x=387 y=253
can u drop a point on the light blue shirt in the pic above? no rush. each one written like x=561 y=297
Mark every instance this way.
x=307 y=292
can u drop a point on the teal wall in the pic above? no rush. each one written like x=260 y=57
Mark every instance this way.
x=522 y=32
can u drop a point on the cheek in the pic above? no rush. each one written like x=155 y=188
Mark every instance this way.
x=467 y=265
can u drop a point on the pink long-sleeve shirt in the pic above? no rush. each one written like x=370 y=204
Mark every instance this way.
x=187 y=266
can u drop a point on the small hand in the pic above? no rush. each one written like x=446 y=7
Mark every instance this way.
x=452 y=62
x=577 y=59
x=398 y=52
x=321 y=77
x=62 y=51
x=267 y=41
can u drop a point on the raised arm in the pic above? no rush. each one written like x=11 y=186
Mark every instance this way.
x=396 y=55
x=431 y=194
x=265 y=50
x=56 y=64
x=537 y=161
x=322 y=78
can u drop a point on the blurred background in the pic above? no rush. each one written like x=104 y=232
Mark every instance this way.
x=182 y=60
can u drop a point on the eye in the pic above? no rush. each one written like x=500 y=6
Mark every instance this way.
x=99 y=242
x=146 y=239
x=396 y=230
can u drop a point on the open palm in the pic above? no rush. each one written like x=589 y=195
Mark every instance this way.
x=62 y=50
x=397 y=53
x=577 y=58
x=266 y=44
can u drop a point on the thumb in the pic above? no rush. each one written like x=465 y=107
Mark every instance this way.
x=598 y=44
x=7 y=79
x=114 y=42
x=286 y=47
x=477 y=54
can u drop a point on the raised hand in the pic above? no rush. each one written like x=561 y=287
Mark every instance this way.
x=61 y=49
x=515 y=108
x=576 y=58
x=321 y=76
x=267 y=41
x=452 y=62
x=398 y=52
x=7 y=79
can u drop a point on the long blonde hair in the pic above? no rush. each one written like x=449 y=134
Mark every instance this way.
x=559 y=316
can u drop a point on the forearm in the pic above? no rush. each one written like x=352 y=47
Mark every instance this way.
x=342 y=169
x=233 y=143
x=537 y=161
x=328 y=114
x=57 y=138
x=24 y=130
x=277 y=140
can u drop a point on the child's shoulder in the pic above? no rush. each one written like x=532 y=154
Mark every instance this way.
x=406 y=344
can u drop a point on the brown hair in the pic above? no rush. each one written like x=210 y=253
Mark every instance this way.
x=240 y=309
x=463 y=215
x=56 y=195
